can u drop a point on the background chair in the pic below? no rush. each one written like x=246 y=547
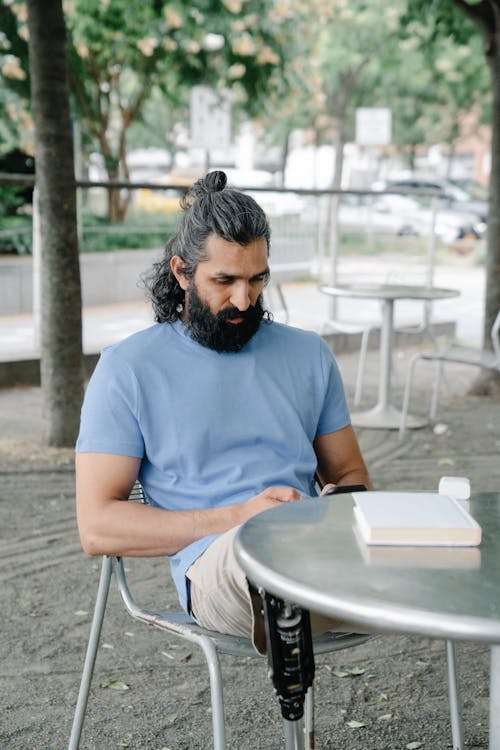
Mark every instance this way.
x=180 y=624
x=451 y=354
x=350 y=328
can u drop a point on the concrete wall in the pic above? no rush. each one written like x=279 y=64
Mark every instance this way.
x=16 y=285
x=115 y=276
x=106 y=278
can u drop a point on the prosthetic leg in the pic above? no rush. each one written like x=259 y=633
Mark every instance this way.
x=291 y=664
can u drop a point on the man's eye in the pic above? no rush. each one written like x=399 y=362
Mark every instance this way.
x=262 y=279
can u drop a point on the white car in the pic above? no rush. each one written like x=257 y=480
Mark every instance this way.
x=450 y=195
x=402 y=215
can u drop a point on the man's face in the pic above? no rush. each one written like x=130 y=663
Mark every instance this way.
x=223 y=306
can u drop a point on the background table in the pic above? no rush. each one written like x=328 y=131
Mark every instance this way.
x=384 y=415
x=307 y=552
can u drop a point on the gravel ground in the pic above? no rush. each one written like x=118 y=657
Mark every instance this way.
x=393 y=687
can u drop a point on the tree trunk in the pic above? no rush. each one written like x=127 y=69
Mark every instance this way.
x=61 y=325
x=338 y=108
x=493 y=255
x=284 y=157
x=117 y=204
x=488 y=381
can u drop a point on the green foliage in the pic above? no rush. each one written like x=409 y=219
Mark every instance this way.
x=15 y=234
x=14 y=48
x=121 y=50
x=436 y=20
x=139 y=231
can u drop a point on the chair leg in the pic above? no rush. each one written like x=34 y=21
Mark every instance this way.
x=216 y=694
x=309 y=719
x=407 y=395
x=454 y=698
x=435 y=392
x=90 y=657
x=294 y=734
x=361 y=366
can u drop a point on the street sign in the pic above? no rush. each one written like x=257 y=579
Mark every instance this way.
x=373 y=126
x=210 y=119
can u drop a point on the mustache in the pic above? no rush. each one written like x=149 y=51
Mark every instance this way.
x=231 y=313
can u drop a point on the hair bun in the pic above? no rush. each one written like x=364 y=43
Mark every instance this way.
x=215 y=181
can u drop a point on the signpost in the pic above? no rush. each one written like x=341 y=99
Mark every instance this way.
x=210 y=120
x=373 y=126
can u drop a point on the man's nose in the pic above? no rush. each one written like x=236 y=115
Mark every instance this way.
x=240 y=295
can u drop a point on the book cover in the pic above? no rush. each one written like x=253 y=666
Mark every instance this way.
x=414 y=518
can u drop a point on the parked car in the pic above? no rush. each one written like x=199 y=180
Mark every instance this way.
x=402 y=215
x=452 y=196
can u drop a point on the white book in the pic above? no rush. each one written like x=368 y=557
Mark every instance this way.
x=414 y=518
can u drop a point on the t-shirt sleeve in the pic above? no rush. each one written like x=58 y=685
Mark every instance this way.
x=109 y=417
x=334 y=414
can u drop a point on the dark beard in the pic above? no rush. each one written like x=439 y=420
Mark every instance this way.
x=214 y=332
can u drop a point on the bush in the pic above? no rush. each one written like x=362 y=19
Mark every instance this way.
x=140 y=231
x=15 y=235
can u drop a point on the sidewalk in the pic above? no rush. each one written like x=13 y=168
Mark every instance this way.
x=307 y=307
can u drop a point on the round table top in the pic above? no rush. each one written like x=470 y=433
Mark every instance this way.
x=388 y=291
x=308 y=552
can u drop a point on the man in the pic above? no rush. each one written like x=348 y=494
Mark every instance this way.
x=218 y=411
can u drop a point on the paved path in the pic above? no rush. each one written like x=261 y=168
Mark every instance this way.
x=308 y=308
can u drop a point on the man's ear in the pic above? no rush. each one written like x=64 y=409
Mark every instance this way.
x=178 y=267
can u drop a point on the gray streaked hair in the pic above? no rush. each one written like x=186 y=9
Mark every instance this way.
x=209 y=207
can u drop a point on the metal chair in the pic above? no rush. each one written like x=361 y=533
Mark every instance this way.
x=180 y=624
x=351 y=328
x=484 y=358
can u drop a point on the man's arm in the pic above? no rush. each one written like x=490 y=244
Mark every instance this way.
x=109 y=525
x=340 y=460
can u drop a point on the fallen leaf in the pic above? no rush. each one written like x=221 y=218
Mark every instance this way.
x=356 y=671
x=440 y=428
x=115 y=685
x=349 y=672
x=414 y=745
x=385 y=717
x=353 y=724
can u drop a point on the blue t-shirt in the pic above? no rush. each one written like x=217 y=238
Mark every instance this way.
x=213 y=428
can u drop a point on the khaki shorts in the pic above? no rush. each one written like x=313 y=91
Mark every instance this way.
x=221 y=599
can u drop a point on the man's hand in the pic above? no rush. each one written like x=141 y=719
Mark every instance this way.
x=269 y=498
x=327 y=487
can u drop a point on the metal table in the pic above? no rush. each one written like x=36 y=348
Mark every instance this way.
x=307 y=552
x=384 y=415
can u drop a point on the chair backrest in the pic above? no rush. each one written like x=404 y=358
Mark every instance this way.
x=137 y=493
x=495 y=337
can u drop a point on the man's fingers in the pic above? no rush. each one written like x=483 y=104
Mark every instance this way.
x=327 y=487
x=283 y=494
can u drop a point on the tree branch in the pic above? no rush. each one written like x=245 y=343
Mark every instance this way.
x=485 y=14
